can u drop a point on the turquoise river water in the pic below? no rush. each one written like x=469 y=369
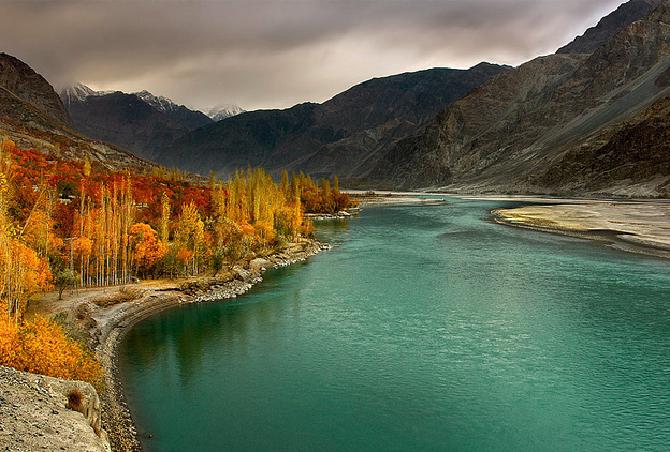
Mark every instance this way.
x=425 y=328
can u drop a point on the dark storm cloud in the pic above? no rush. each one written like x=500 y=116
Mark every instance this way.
x=277 y=53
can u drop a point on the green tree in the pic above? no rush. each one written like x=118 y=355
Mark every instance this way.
x=65 y=279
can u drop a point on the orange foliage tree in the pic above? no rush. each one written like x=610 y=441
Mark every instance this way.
x=40 y=346
x=146 y=248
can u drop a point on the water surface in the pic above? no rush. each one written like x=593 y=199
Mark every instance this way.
x=426 y=328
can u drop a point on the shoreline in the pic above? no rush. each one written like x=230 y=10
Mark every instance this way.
x=112 y=323
x=639 y=227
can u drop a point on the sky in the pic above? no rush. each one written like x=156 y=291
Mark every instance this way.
x=277 y=53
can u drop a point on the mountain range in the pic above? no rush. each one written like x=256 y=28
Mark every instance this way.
x=331 y=138
x=565 y=123
x=576 y=122
x=141 y=122
x=590 y=119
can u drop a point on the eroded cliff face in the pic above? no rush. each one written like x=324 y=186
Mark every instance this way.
x=512 y=132
x=45 y=413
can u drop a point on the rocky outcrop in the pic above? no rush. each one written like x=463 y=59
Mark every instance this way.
x=45 y=413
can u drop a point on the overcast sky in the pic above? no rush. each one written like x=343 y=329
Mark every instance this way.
x=276 y=53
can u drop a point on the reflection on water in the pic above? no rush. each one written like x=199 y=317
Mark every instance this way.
x=426 y=328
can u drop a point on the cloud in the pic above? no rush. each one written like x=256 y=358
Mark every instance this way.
x=265 y=53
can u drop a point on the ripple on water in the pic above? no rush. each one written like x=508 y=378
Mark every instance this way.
x=424 y=329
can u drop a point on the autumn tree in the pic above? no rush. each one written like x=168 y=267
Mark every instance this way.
x=146 y=248
x=165 y=218
x=41 y=346
x=190 y=238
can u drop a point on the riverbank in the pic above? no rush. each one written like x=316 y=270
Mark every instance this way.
x=641 y=227
x=367 y=198
x=102 y=316
x=427 y=329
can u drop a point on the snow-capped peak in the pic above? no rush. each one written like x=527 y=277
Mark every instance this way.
x=161 y=103
x=78 y=93
x=223 y=111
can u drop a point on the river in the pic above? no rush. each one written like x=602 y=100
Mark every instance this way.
x=425 y=328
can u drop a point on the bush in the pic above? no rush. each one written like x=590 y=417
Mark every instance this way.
x=65 y=279
x=40 y=346
x=75 y=400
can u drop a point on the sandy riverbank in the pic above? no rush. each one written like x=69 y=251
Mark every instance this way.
x=636 y=226
x=367 y=198
x=103 y=316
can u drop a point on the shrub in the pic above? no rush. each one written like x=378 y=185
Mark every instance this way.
x=75 y=400
x=40 y=346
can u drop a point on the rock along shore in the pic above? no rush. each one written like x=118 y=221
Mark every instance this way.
x=46 y=413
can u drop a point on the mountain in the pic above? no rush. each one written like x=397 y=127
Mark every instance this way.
x=160 y=103
x=223 y=111
x=141 y=122
x=33 y=115
x=638 y=151
x=565 y=123
x=622 y=17
x=335 y=137
x=30 y=87
x=78 y=93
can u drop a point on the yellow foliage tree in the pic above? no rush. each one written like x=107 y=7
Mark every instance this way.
x=40 y=346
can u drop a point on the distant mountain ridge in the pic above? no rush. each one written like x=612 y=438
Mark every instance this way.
x=141 y=122
x=223 y=111
x=329 y=138
x=78 y=93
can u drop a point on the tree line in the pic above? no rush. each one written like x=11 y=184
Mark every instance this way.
x=77 y=224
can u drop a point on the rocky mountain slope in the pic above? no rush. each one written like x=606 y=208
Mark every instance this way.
x=30 y=87
x=565 y=123
x=336 y=137
x=589 y=119
x=625 y=14
x=141 y=122
x=33 y=115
